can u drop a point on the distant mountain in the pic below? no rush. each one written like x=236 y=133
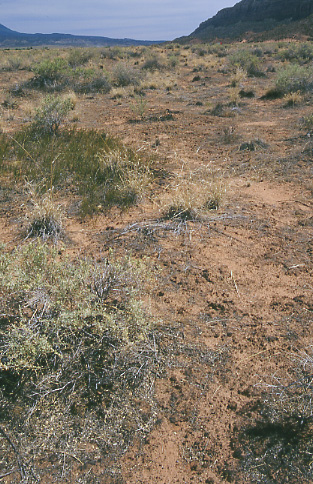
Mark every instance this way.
x=278 y=17
x=9 y=38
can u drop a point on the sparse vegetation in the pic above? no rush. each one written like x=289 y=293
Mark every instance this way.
x=293 y=98
x=156 y=264
x=75 y=346
x=276 y=446
x=193 y=196
x=301 y=53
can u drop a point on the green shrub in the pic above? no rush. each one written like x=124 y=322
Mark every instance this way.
x=112 y=53
x=52 y=113
x=153 y=63
x=48 y=72
x=295 y=78
x=247 y=61
x=79 y=57
x=297 y=52
x=56 y=74
x=88 y=80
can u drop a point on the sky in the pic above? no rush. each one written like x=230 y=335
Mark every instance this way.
x=136 y=19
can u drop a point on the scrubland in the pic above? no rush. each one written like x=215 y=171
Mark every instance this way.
x=156 y=264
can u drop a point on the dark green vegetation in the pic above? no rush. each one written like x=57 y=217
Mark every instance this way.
x=266 y=19
x=96 y=167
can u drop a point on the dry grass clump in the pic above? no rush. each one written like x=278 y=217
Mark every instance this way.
x=291 y=99
x=155 y=80
x=45 y=216
x=239 y=76
x=194 y=195
x=122 y=92
x=127 y=178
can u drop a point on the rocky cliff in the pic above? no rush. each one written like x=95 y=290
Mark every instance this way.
x=255 y=16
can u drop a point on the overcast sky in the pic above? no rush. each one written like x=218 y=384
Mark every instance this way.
x=137 y=19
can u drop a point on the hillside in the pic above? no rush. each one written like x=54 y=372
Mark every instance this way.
x=11 y=38
x=277 y=18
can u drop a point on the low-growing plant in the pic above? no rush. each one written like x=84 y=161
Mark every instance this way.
x=222 y=110
x=307 y=124
x=239 y=76
x=173 y=61
x=126 y=178
x=291 y=99
x=229 y=135
x=89 y=81
x=17 y=90
x=300 y=53
x=97 y=167
x=78 y=360
x=52 y=112
x=153 y=63
x=276 y=448
x=44 y=216
x=79 y=57
x=139 y=106
x=234 y=96
x=193 y=196
x=124 y=75
x=113 y=53
x=122 y=92
x=9 y=102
